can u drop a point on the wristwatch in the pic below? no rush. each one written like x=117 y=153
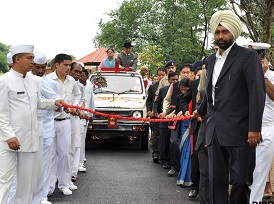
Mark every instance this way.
x=265 y=76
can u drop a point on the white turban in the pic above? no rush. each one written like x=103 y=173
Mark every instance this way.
x=229 y=20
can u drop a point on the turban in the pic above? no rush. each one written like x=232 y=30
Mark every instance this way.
x=229 y=20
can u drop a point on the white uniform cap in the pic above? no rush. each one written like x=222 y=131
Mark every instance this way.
x=257 y=46
x=9 y=58
x=21 y=49
x=40 y=58
x=81 y=63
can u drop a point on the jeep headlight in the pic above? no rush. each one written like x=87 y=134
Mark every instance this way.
x=137 y=114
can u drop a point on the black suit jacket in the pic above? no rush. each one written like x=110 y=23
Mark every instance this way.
x=239 y=97
x=128 y=61
x=151 y=96
x=158 y=104
x=190 y=95
x=202 y=111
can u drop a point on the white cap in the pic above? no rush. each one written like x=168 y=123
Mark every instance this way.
x=257 y=46
x=21 y=49
x=40 y=58
x=9 y=58
x=81 y=63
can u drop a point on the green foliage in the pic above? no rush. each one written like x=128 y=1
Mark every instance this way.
x=178 y=27
x=152 y=57
x=73 y=57
x=4 y=49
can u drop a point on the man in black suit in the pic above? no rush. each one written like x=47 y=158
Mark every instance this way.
x=164 y=131
x=161 y=72
x=235 y=91
x=127 y=59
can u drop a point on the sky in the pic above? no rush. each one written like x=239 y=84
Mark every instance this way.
x=54 y=26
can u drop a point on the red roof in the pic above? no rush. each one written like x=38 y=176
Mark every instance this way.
x=95 y=57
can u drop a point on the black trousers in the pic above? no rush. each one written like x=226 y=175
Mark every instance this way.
x=164 y=144
x=174 y=148
x=204 y=181
x=195 y=172
x=155 y=135
x=239 y=163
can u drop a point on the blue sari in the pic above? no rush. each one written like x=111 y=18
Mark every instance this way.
x=107 y=63
x=184 y=176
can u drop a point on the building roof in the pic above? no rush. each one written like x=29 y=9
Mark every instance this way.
x=96 y=57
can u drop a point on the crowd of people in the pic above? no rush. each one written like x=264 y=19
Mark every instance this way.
x=42 y=143
x=223 y=153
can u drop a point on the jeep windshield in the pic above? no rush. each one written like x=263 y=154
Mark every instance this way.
x=119 y=84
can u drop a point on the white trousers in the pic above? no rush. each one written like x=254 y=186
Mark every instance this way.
x=38 y=177
x=53 y=168
x=264 y=156
x=12 y=189
x=48 y=158
x=63 y=146
x=25 y=171
x=83 y=141
x=75 y=144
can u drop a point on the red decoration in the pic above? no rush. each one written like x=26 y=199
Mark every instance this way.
x=112 y=122
x=127 y=118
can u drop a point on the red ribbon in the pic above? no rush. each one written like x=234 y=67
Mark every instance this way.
x=127 y=118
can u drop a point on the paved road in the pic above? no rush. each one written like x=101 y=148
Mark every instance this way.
x=124 y=176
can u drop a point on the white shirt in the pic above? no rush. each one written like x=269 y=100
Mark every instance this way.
x=48 y=115
x=268 y=115
x=89 y=97
x=46 y=92
x=219 y=63
x=69 y=92
x=18 y=110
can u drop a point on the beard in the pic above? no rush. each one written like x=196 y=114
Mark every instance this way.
x=224 y=44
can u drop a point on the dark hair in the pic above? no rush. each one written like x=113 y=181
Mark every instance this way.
x=110 y=49
x=172 y=74
x=86 y=72
x=184 y=82
x=61 y=57
x=197 y=69
x=72 y=65
x=184 y=66
x=161 y=70
x=17 y=55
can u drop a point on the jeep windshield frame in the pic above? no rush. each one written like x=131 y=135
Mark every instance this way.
x=117 y=83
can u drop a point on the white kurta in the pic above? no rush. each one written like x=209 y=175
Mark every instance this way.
x=18 y=110
x=18 y=118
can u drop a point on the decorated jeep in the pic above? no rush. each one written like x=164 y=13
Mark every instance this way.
x=119 y=94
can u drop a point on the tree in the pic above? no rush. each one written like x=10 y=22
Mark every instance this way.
x=152 y=57
x=258 y=16
x=4 y=49
x=178 y=27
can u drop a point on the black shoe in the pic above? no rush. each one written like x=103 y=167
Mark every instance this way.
x=166 y=166
x=171 y=172
x=155 y=159
x=73 y=178
x=193 y=193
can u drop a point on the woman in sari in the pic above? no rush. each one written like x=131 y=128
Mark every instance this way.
x=109 y=61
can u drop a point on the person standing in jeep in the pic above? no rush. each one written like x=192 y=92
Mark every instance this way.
x=127 y=59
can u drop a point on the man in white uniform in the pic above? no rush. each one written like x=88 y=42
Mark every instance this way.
x=75 y=72
x=46 y=130
x=89 y=103
x=264 y=150
x=69 y=91
x=19 y=141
